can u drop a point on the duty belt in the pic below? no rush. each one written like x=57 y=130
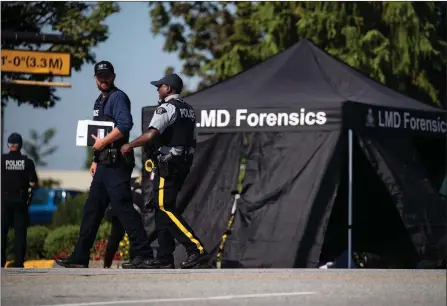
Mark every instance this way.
x=108 y=156
x=166 y=163
x=183 y=150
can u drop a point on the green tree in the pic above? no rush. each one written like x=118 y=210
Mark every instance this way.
x=401 y=44
x=38 y=147
x=82 y=20
x=49 y=183
x=89 y=158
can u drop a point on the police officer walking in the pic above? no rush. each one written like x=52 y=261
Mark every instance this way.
x=173 y=130
x=18 y=175
x=117 y=232
x=111 y=173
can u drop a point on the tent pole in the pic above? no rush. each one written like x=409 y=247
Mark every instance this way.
x=350 y=199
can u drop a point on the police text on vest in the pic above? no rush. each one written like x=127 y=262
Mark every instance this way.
x=187 y=113
x=18 y=165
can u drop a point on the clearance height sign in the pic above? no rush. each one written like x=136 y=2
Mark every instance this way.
x=36 y=62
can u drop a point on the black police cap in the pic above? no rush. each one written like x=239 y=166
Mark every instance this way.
x=104 y=67
x=15 y=138
x=171 y=80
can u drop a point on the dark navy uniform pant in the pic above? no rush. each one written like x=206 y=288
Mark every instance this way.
x=14 y=215
x=111 y=185
x=115 y=237
x=168 y=221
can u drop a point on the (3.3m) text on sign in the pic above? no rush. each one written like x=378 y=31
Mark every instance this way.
x=36 y=62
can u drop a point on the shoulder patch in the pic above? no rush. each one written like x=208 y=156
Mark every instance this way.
x=160 y=110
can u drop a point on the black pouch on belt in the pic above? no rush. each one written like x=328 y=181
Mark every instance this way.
x=108 y=157
x=163 y=165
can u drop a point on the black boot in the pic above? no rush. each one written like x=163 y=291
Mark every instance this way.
x=157 y=264
x=108 y=260
x=69 y=263
x=195 y=260
x=14 y=265
x=137 y=263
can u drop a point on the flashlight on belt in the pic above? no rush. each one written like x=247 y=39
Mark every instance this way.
x=149 y=165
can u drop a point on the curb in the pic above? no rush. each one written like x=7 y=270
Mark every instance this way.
x=43 y=264
x=50 y=263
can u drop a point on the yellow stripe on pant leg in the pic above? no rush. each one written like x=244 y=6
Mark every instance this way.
x=174 y=218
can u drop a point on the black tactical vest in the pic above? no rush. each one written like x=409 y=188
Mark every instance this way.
x=181 y=132
x=15 y=177
x=98 y=115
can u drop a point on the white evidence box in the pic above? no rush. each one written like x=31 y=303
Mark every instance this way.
x=87 y=128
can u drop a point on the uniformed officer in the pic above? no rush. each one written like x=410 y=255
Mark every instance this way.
x=111 y=175
x=18 y=175
x=173 y=129
x=117 y=232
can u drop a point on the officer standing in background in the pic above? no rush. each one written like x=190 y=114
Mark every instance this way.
x=111 y=173
x=173 y=129
x=18 y=175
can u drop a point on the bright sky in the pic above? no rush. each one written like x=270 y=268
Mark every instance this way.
x=138 y=59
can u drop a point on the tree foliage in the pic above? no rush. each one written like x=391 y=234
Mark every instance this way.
x=38 y=147
x=49 y=183
x=88 y=158
x=401 y=44
x=82 y=20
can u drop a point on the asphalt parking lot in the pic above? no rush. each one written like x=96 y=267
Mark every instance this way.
x=336 y=287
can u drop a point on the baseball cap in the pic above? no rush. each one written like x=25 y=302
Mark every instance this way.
x=15 y=138
x=172 y=80
x=104 y=67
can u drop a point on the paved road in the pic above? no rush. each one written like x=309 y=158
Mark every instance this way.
x=304 y=287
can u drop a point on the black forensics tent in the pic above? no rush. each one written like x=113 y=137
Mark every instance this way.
x=289 y=118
